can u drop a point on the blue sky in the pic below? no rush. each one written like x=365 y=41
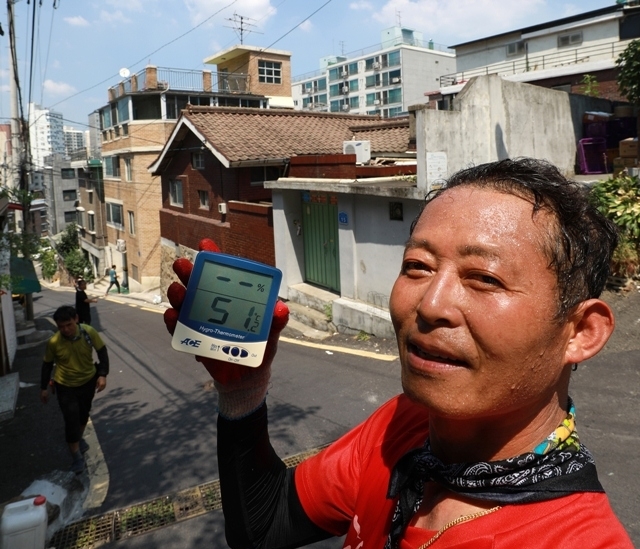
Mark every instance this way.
x=82 y=44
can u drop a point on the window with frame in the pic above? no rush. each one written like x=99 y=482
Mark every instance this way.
x=573 y=39
x=393 y=58
x=335 y=90
x=372 y=80
x=516 y=48
x=353 y=68
x=79 y=214
x=197 y=161
x=132 y=222
x=114 y=214
x=91 y=223
x=368 y=64
x=67 y=173
x=69 y=196
x=354 y=102
x=112 y=166
x=127 y=169
x=70 y=217
x=270 y=72
x=203 y=196
x=175 y=192
x=335 y=106
x=353 y=85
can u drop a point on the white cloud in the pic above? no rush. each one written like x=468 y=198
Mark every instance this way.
x=306 y=26
x=361 y=5
x=460 y=20
x=58 y=88
x=77 y=21
x=257 y=11
x=113 y=17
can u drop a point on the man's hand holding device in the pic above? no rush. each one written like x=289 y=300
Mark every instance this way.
x=223 y=317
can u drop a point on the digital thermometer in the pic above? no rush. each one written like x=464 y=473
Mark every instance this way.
x=227 y=311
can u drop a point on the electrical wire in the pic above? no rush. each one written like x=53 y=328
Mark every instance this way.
x=46 y=63
x=150 y=54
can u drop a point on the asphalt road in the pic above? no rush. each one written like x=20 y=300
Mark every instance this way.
x=156 y=421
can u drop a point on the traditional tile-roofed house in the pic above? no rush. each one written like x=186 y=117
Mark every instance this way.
x=214 y=165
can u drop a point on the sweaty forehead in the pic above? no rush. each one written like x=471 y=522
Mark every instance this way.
x=482 y=218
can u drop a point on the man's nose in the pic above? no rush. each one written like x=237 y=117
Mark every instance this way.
x=440 y=304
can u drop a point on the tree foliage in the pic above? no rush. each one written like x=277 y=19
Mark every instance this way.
x=77 y=264
x=619 y=199
x=49 y=261
x=628 y=64
x=69 y=240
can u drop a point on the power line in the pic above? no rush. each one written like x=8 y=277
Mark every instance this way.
x=150 y=54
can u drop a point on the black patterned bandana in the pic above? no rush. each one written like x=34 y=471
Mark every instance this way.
x=566 y=468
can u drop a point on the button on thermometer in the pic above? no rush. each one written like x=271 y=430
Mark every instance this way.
x=227 y=311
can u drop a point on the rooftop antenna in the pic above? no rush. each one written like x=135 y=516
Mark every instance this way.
x=342 y=43
x=240 y=24
x=399 y=17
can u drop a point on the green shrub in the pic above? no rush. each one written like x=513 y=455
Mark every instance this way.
x=619 y=200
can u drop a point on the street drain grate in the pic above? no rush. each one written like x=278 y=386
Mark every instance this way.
x=91 y=532
x=151 y=515
x=142 y=518
x=211 y=497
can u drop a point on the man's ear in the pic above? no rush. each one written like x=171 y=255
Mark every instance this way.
x=592 y=324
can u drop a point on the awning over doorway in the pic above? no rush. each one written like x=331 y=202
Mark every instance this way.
x=23 y=276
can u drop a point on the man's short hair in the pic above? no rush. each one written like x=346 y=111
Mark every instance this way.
x=579 y=247
x=64 y=313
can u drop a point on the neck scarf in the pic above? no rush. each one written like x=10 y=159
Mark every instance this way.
x=556 y=467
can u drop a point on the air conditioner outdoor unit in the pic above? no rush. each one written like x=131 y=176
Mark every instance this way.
x=345 y=89
x=376 y=66
x=395 y=80
x=362 y=150
x=376 y=102
x=344 y=73
x=222 y=208
x=121 y=245
x=345 y=107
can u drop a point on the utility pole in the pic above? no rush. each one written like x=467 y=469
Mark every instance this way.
x=21 y=159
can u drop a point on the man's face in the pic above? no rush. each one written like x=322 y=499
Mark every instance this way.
x=474 y=308
x=68 y=328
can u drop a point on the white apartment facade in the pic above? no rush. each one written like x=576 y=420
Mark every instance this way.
x=556 y=54
x=73 y=139
x=46 y=134
x=384 y=80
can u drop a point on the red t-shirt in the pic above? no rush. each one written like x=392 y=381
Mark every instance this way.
x=343 y=490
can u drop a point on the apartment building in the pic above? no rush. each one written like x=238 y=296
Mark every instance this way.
x=60 y=193
x=135 y=124
x=557 y=54
x=46 y=135
x=381 y=80
x=73 y=139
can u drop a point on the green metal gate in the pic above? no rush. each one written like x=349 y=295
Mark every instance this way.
x=320 y=232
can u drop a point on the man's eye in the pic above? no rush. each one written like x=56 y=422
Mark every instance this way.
x=409 y=267
x=489 y=280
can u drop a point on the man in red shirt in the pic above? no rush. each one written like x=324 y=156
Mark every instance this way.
x=495 y=303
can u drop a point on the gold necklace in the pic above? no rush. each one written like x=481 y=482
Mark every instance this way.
x=459 y=520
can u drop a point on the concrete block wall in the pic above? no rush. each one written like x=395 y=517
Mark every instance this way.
x=496 y=119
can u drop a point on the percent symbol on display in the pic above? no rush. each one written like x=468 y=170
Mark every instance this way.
x=261 y=287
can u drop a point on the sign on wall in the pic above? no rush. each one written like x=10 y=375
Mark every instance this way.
x=436 y=167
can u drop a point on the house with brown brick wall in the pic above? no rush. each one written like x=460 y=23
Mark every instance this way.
x=216 y=161
x=140 y=115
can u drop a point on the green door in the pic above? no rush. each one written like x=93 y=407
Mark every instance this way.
x=320 y=231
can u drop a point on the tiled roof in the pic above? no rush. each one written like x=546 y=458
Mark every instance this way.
x=241 y=134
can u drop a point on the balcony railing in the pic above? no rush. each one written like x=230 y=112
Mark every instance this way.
x=181 y=80
x=528 y=63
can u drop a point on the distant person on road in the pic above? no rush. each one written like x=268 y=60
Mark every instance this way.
x=497 y=300
x=113 y=279
x=76 y=378
x=82 y=302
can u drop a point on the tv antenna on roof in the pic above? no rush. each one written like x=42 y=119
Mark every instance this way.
x=240 y=24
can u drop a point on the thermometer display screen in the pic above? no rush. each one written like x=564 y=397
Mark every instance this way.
x=231 y=298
